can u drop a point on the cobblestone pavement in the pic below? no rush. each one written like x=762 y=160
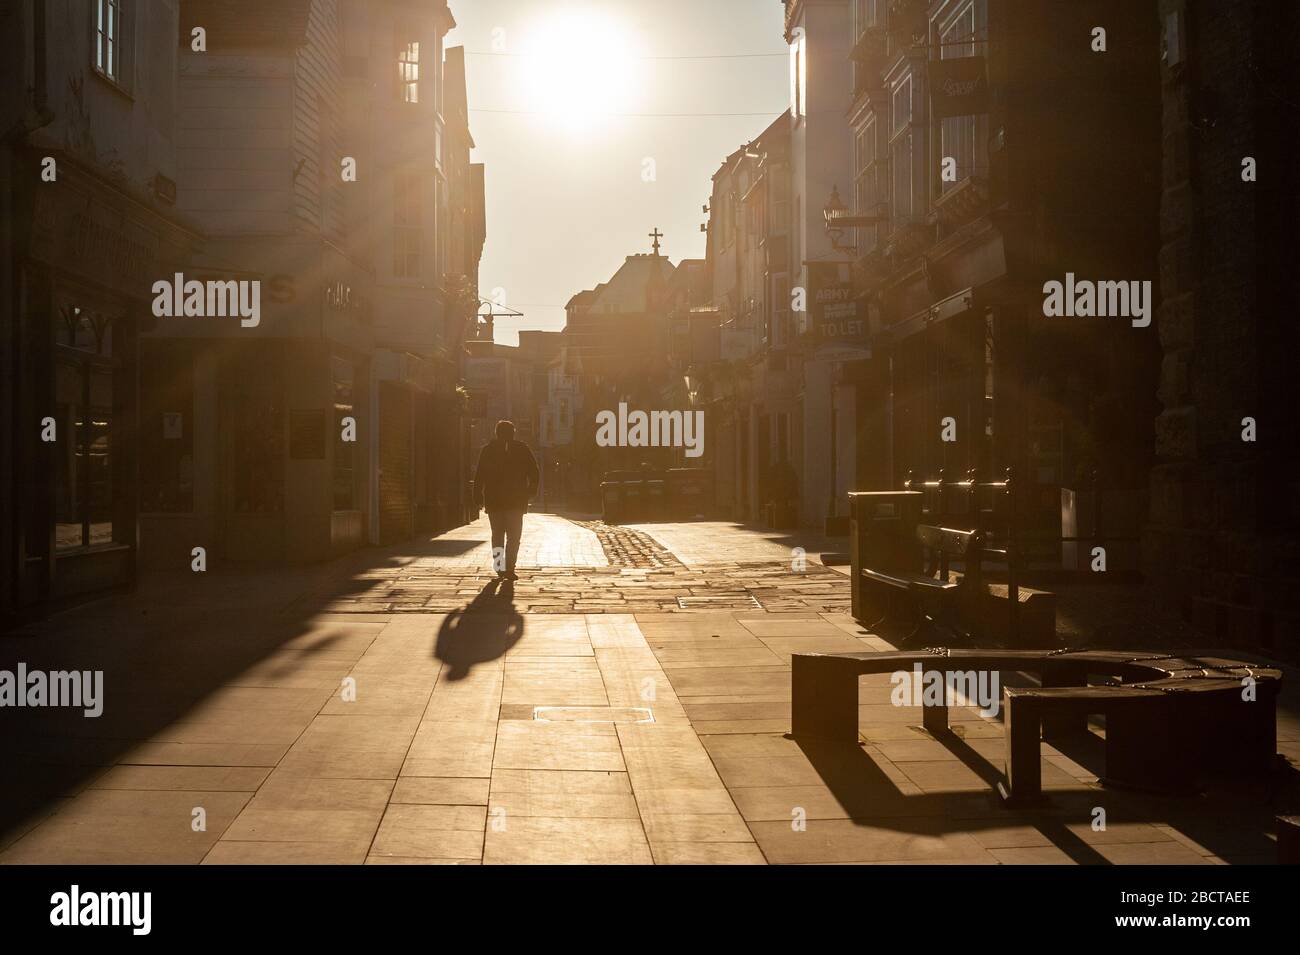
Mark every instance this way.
x=698 y=543
x=628 y=547
x=622 y=583
x=442 y=719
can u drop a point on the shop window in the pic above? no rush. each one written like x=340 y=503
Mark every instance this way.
x=83 y=386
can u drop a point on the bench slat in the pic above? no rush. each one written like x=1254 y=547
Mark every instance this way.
x=945 y=539
x=906 y=581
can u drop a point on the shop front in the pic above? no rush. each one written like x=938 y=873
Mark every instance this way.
x=88 y=251
x=260 y=436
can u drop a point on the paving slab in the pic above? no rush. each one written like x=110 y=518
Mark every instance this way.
x=507 y=725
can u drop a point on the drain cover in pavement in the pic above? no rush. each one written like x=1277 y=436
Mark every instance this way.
x=593 y=714
x=721 y=602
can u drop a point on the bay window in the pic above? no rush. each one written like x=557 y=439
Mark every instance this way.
x=959 y=36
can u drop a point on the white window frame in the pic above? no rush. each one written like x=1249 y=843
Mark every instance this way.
x=908 y=130
x=408 y=225
x=112 y=35
x=408 y=71
x=866 y=180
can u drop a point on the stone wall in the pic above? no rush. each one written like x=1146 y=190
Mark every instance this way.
x=1221 y=541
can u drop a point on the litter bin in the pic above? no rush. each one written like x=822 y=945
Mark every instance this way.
x=620 y=495
x=690 y=492
x=654 y=496
x=611 y=495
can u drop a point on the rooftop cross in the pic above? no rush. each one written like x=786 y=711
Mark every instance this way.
x=655 y=236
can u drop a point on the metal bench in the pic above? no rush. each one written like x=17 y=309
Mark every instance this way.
x=934 y=589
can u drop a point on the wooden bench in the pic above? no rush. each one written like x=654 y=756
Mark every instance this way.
x=1167 y=720
x=934 y=587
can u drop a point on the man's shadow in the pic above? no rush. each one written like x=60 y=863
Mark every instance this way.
x=483 y=630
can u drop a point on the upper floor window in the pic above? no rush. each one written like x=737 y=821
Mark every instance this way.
x=442 y=227
x=408 y=71
x=779 y=215
x=958 y=36
x=865 y=172
x=407 y=231
x=902 y=151
x=865 y=13
x=112 y=40
x=798 y=75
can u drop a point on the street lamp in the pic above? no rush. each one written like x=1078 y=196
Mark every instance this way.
x=838 y=219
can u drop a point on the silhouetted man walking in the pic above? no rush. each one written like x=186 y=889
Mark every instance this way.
x=504 y=482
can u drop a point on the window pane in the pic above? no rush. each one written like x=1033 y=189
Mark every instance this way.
x=68 y=385
x=957 y=133
x=407 y=212
x=901 y=166
x=408 y=71
x=902 y=104
x=100 y=32
x=110 y=40
x=98 y=456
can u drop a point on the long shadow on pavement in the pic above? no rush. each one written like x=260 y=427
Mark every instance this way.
x=484 y=630
x=181 y=640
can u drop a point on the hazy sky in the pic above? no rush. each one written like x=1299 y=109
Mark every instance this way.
x=567 y=198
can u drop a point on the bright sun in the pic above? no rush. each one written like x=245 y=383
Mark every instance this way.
x=577 y=67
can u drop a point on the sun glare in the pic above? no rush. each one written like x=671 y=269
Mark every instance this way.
x=578 y=67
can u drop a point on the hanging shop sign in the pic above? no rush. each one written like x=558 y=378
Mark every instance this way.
x=959 y=86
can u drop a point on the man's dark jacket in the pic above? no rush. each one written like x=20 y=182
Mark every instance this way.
x=506 y=476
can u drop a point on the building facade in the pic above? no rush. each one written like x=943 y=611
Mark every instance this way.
x=749 y=265
x=245 y=421
x=983 y=172
x=90 y=221
x=1220 y=545
x=616 y=337
x=305 y=171
x=818 y=33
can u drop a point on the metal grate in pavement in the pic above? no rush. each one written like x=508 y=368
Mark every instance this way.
x=720 y=602
x=593 y=714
